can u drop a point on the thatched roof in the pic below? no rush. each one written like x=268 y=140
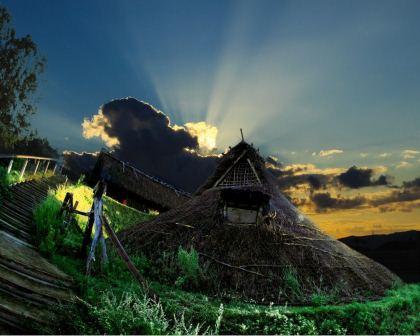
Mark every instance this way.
x=158 y=194
x=257 y=262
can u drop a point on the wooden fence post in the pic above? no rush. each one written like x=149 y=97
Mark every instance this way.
x=46 y=167
x=9 y=168
x=123 y=254
x=22 y=171
x=37 y=166
x=87 y=237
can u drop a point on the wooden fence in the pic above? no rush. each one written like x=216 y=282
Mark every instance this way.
x=39 y=163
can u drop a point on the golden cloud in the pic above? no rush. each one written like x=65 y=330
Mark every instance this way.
x=309 y=168
x=206 y=134
x=96 y=128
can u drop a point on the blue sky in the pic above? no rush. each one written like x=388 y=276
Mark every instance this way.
x=298 y=76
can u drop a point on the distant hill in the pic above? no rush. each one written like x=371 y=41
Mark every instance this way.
x=399 y=252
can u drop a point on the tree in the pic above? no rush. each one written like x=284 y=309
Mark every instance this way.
x=34 y=145
x=20 y=66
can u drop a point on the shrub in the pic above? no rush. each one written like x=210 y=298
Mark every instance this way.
x=189 y=266
x=321 y=298
x=291 y=282
x=48 y=225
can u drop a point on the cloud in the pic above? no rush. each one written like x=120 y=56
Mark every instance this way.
x=405 y=199
x=361 y=177
x=206 y=135
x=309 y=168
x=400 y=206
x=384 y=155
x=409 y=154
x=97 y=127
x=324 y=201
x=329 y=152
x=410 y=191
x=272 y=160
x=143 y=136
x=412 y=184
x=403 y=164
x=304 y=188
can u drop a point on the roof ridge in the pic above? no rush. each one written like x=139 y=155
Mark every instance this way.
x=153 y=178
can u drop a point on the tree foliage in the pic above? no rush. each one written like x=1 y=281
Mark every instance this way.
x=20 y=66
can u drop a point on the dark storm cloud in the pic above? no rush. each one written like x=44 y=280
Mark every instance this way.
x=402 y=199
x=361 y=177
x=409 y=192
x=144 y=137
x=293 y=177
x=324 y=201
x=412 y=184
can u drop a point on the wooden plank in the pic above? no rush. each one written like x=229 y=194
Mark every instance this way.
x=31 y=157
x=87 y=237
x=253 y=169
x=123 y=254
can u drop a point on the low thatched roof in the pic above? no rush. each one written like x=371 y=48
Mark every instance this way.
x=282 y=257
x=146 y=188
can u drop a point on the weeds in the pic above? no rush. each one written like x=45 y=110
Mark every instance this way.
x=113 y=302
x=291 y=283
x=189 y=265
x=48 y=223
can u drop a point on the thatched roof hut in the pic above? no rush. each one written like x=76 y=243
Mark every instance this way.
x=129 y=184
x=253 y=243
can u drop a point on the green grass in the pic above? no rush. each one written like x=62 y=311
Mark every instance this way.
x=112 y=302
x=119 y=215
x=189 y=267
x=48 y=228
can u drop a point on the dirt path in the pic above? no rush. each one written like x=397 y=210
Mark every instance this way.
x=30 y=286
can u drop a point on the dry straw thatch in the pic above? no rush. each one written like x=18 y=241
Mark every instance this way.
x=143 y=188
x=282 y=257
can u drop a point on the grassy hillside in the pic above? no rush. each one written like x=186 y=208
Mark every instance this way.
x=112 y=301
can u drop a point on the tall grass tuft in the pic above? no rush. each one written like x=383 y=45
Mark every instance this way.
x=48 y=223
x=189 y=265
x=291 y=282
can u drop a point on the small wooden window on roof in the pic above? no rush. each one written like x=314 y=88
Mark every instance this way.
x=243 y=206
x=241 y=173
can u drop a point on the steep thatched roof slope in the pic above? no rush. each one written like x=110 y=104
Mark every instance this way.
x=242 y=151
x=282 y=257
x=146 y=187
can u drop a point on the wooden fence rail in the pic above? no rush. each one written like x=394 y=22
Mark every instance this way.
x=38 y=160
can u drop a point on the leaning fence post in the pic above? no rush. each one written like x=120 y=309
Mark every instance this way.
x=124 y=256
x=87 y=235
x=9 y=168
x=23 y=169
x=37 y=166
x=55 y=167
x=46 y=167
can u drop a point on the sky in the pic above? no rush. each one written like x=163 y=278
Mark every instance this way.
x=325 y=83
